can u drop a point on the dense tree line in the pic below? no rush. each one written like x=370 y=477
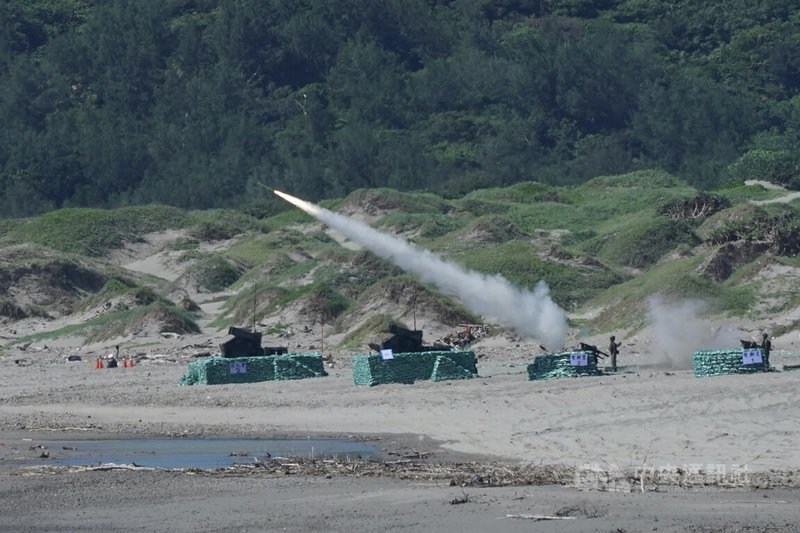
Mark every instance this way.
x=193 y=102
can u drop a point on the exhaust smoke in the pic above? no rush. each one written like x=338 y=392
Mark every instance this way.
x=678 y=331
x=531 y=314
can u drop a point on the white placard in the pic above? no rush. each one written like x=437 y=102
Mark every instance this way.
x=387 y=354
x=579 y=359
x=751 y=357
x=238 y=367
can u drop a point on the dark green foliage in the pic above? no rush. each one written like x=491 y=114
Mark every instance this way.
x=145 y=296
x=222 y=226
x=215 y=273
x=328 y=302
x=706 y=128
x=114 y=287
x=194 y=104
x=781 y=231
x=781 y=167
x=648 y=243
x=699 y=206
x=321 y=301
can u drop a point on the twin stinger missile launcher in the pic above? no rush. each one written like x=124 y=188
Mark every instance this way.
x=246 y=343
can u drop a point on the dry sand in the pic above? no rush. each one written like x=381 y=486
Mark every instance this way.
x=718 y=453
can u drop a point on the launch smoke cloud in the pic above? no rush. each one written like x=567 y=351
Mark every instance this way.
x=678 y=331
x=532 y=314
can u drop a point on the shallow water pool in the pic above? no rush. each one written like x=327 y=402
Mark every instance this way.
x=194 y=453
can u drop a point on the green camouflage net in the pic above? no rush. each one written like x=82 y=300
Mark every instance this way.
x=409 y=367
x=562 y=365
x=734 y=361
x=220 y=370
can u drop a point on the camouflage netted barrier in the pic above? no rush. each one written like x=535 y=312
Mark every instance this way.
x=409 y=367
x=219 y=370
x=445 y=368
x=733 y=361
x=562 y=365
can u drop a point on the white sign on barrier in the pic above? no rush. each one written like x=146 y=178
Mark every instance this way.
x=387 y=354
x=751 y=357
x=579 y=359
x=238 y=367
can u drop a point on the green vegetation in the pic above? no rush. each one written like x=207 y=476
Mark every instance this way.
x=519 y=263
x=642 y=244
x=781 y=231
x=374 y=324
x=610 y=243
x=198 y=104
x=328 y=302
x=94 y=232
x=625 y=304
x=775 y=166
x=221 y=224
x=256 y=249
x=424 y=225
x=239 y=308
x=390 y=200
x=319 y=300
x=698 y=206
x=736 y=192
x=353 y=272
x=120 y=323
x=215 y=273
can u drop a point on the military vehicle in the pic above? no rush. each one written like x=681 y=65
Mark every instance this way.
x=405 y=341
x=246 y=343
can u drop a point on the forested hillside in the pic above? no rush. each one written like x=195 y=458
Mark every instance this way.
x=191 y=103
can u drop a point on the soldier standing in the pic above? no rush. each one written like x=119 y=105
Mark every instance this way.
x=613 y=350
x=766 y=346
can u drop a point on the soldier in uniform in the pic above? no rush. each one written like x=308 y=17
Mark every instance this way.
x=613 y=350
x=766 y=346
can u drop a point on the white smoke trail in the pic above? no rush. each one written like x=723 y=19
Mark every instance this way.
x=532 y=314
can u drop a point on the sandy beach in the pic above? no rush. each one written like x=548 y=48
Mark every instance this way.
x=617 y=451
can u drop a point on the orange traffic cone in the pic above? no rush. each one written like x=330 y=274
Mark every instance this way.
x=130 y=362
x=98 y=363
x=124 y=362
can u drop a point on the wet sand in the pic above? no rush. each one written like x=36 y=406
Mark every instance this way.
x=181 y=502
x=717 y=453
